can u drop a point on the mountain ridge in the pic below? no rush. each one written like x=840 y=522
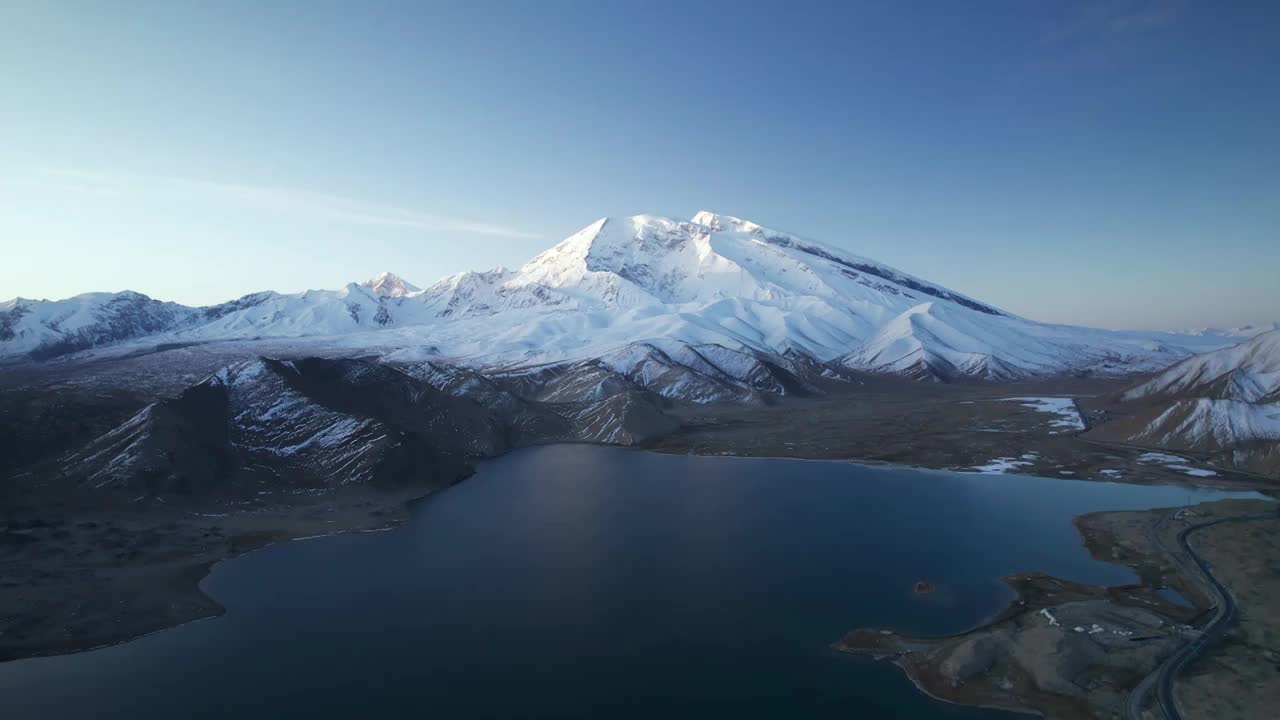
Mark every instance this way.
x=712 y=279
x=1224 y=404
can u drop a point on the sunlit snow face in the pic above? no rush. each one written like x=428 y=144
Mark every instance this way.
x=711 y=281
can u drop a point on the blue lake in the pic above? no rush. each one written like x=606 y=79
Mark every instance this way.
x=574 y=581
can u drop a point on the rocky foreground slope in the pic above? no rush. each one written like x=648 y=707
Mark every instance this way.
x=317 y=424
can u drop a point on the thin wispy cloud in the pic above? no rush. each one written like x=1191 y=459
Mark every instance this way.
x=322 y=207
x=1095 y=38
x=1113 y=21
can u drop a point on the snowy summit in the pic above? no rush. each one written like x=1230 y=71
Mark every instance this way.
x=390 y=285
x=667 y=284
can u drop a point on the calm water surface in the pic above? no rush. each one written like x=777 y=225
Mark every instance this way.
x=586 y=582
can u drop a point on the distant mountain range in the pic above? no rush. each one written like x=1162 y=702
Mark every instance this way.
x=1242 y=332
x=1223 y=404
x=637 y=294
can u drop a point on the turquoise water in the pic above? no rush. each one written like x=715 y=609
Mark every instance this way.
x=584 y=582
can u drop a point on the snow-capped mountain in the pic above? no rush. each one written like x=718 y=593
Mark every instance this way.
x=668 y=285
x=1242 y=332
x=1224 y=403
x=390 y=285
x=1248 y=372
x=45 y=328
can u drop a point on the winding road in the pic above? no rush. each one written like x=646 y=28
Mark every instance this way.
x=1225 y=615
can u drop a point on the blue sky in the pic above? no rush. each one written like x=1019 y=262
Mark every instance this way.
x=1113 y=164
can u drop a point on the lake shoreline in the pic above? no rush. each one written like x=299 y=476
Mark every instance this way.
x=1009 y=662
x=79 y=562
x=519 y=551
x=199 y=536
x=170 y=593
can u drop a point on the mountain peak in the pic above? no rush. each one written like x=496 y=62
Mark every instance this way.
x=390 y=284
x=712 y=278
x=727 y=223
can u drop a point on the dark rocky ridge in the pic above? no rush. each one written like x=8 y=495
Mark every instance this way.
x=692 y=373
x=301 y=423
x=323 y=423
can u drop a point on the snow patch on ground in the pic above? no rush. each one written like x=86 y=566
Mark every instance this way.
x=1001 y=465
x=1155 y=457
x=1064 y=407
x=1174 y=462
x=1194 y=472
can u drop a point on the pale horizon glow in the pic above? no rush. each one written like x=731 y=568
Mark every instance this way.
x=1110 y=164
